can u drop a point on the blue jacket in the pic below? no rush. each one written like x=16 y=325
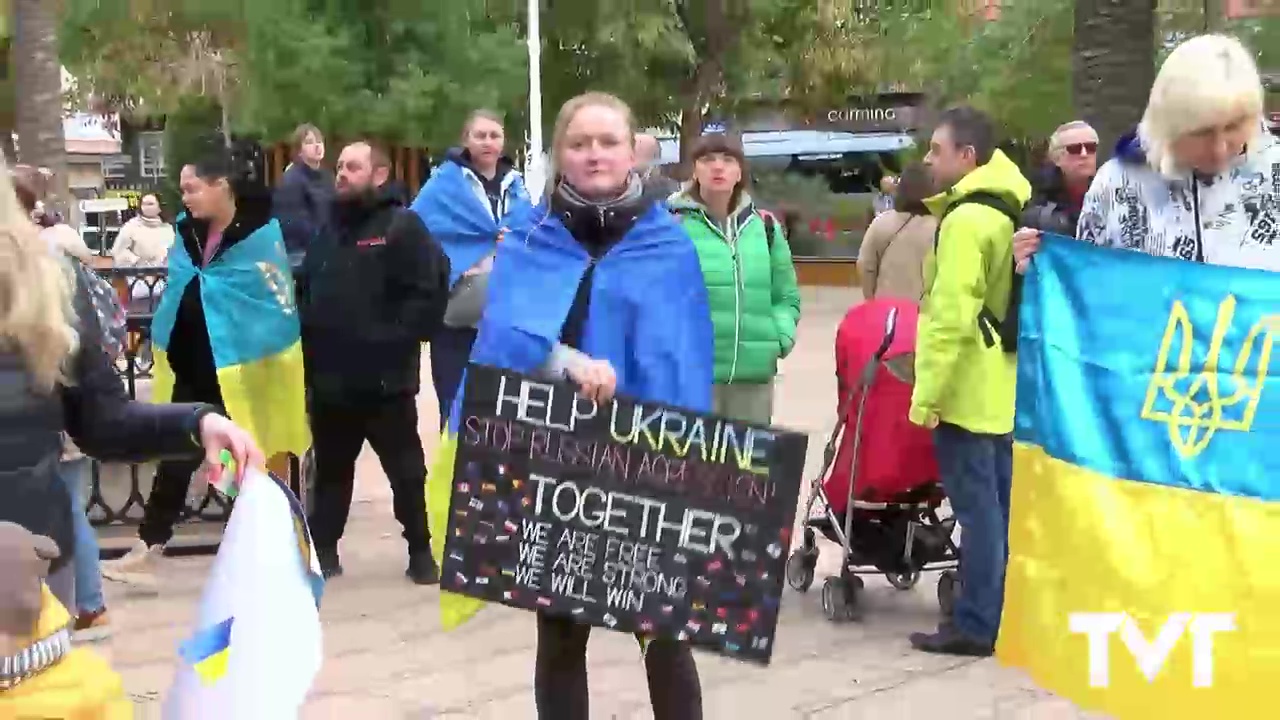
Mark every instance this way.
x=302 y=203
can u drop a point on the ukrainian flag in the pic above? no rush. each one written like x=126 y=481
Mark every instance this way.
x=1146 y=482
x=253 y=326
x=208 y=651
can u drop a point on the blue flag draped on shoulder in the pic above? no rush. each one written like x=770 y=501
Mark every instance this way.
x=1145 y=519
x=459 y=221
x=252 y=319
x=649 y=318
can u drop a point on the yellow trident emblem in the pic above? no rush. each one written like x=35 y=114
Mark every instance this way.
x=279 y=284
x=1197 y=400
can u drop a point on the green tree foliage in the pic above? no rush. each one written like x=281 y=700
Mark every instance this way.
x=144 y=56
x=186 y=130
x=1018 y=67
x=670 y=60
x=632 y=48
x=397 y=70
x=817 y=55
x=407 y=71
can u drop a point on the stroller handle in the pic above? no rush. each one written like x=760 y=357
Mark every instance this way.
x=890 y=329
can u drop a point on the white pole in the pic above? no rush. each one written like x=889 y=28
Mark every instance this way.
x=535 y=172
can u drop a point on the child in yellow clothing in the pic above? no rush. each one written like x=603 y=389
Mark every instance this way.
x=41 y=675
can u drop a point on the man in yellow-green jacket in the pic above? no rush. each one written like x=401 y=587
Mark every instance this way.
x=965 y=363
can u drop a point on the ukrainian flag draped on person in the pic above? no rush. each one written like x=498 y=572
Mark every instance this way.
x=459 y=221
x=1146 y=482
x=660 y=356
x=252 y=319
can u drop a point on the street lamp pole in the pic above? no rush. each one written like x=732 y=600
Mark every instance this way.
x=534 y=166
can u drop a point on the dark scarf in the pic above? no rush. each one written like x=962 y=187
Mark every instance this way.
x=598 y=225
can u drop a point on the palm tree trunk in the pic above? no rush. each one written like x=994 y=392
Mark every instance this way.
x=38 y=94
x=1113 y=64
x=1215 y=15
x=8 y=147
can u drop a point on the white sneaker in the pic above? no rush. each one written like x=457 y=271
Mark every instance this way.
x=137 y=567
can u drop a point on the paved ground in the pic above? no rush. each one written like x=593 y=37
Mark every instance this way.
x=387 y=658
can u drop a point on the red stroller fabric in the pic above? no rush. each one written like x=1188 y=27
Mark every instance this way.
x=896 y=456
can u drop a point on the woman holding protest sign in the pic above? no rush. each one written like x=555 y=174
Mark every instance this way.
x=603 y=288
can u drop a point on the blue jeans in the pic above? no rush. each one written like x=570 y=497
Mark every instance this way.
x=977 y=472
x=78 y=475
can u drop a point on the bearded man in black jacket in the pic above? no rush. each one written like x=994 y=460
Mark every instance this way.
x=375 y=289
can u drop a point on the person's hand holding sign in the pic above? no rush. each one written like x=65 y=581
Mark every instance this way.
x=595 y=379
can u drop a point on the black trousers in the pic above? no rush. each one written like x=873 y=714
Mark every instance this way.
x=339 y=431
x=560 y=677
x=167 y=500
x=450 y=352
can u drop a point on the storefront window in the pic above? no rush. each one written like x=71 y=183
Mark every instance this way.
x=825 y=201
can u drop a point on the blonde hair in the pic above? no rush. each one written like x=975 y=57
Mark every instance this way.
x=1205 y=80
x=567 y=113
x=35 y=295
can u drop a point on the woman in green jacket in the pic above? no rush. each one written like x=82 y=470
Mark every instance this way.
x=751 y=281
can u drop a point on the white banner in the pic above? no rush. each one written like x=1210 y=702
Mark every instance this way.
x=256 y=648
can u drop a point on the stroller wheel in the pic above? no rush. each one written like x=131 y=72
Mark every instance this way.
x=903 y=581
x=810 y=541
x=948 y=590
x=800 y=568
x=840 y=600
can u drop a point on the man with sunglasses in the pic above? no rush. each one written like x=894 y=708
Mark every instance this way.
x=1060 y=190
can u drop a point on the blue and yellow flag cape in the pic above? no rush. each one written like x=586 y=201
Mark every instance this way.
x=1146 y=482
x=649 y=318
x=459 y=222
x=252 y=320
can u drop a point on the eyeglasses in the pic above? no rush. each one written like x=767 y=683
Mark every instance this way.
x=1085 y=148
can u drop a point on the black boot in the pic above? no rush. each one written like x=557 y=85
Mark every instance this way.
x=950 y=641
x=422 y=568
x=330 y=566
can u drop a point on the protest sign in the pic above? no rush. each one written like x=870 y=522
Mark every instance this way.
x=626 y=515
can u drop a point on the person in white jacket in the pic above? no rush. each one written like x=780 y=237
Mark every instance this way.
x=1200 y=178
x=61 y=237
x=145 y=239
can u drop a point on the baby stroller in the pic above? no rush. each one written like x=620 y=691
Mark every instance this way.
x=878 y=486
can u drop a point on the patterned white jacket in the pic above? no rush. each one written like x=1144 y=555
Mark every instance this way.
x=1232 y=219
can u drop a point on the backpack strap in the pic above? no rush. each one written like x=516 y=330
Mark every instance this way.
x=991 y=200
x=992 y=327
x=770 y=221
x=770 y=226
